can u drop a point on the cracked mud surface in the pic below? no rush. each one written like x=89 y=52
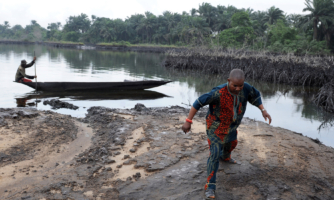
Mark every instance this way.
x=143 y=154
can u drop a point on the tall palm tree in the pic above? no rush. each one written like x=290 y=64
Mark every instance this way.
x=208 y=12
x=293 y=20
x=224 y=16
x=147 y=24
x=273 y=14
x=193 y=12
x=135 y=21
x=223 y=21
x=128 y=30
x=250 y=11
x=33 y=22
x=6 y=25
x=220 y=9
x=170 y=20
x=320 y=11
x=258 y=22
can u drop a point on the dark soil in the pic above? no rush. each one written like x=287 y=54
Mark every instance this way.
x=142 y=153
x=56 y=104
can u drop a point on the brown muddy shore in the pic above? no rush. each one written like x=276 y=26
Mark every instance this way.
x=52 y=44
x=142 y=153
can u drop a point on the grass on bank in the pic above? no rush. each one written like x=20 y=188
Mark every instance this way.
x=64 y=42
x=50 y=42
x=128 y=44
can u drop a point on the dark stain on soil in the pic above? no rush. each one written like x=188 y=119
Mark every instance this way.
x=142 y=153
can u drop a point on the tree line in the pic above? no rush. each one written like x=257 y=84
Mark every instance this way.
x=224 y=26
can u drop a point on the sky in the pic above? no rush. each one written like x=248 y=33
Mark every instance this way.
x=44 y=12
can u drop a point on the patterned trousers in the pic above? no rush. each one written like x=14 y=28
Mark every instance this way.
x=218 y=150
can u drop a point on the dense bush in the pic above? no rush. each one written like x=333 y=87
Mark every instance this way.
x=240 y=33
x=208 y=25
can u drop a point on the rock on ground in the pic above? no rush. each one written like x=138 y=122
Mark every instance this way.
x=56 y=104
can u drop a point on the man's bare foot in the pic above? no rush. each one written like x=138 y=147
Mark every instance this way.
x=231 y=161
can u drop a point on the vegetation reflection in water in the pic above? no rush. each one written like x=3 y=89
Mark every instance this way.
x=205 y=82
x=148 y=66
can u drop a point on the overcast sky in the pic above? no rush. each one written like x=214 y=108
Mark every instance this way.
x=44 y=12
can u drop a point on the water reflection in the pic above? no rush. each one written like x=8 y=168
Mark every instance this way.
x=95 y=95
x=302 y=96
x=94 y=61
x=23 y=102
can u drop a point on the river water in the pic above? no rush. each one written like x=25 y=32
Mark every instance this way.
x=290 y=107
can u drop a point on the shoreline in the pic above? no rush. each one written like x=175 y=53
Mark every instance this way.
x=136 y=48
x=52 y=44
x=111 y=153
x=281 y=69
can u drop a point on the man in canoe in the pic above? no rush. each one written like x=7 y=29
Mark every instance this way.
x=21 y=72
x=227 y=105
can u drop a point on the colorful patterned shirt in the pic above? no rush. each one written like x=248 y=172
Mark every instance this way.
x=226 y=110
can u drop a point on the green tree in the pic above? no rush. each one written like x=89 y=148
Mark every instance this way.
x=5 y=30
x=258 y=22
x=6 y=25
x=281 y=33
x=134 y=21
x=80 y=23
x=286 y=39
x=193 y=12
x=71 y=36
x=208 y=12
x=54 y=26
x=54 y=33
x=240 y=33
x=321 y=11
x=272 y=15
x=147 y=24
x=223 y=19
x=33 y=22
x=293 y=20
x=241 y=19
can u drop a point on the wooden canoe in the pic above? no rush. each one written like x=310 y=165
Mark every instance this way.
x=93 y=86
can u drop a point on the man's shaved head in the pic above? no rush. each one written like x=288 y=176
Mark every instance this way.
x=236 y=81
x=237 y=74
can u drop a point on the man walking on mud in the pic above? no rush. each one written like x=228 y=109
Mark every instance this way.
x=21 y=72
x=227 y=106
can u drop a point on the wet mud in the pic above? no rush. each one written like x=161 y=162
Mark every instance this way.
x=56 y=104
x=141 y=153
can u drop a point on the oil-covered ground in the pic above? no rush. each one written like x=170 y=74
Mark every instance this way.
x=142 y=153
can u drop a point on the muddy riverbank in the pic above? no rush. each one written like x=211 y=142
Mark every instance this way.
x=142 y=153
x=52 y=44
x=262 y=66
x=139 y=48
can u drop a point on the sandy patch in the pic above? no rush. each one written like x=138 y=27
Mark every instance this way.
x=43 y=164
x=89 y=194
x=126 y=116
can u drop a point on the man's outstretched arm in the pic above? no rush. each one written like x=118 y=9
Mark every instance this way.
x=202 y=101
x=30 y=64
x=265 y=114
x=255 y=99
x=187 y=125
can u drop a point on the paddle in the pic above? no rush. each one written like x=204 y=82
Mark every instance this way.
x=35 y=72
